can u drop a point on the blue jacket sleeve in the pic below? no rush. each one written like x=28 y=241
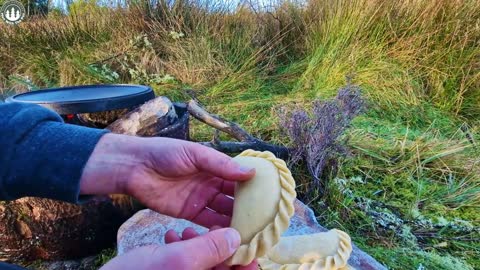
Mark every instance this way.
x=40 y=155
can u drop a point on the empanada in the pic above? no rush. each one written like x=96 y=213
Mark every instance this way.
x=321 y=251
x=263 y=206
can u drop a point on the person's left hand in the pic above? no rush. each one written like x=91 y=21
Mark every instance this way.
x=174 y=177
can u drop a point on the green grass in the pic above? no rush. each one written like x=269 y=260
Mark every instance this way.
x=407 y=192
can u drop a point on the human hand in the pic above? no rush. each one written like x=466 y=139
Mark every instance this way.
x=177 y=178
x=203 y=252
x=189 y=233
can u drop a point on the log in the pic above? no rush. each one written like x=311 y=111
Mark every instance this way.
x=178 y=129
x=237 y=147
x=99 y=119
x=147 y=119
x=34 y=228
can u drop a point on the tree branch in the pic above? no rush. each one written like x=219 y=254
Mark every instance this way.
x=236 y=147
x=246 y=141
x=231 y=128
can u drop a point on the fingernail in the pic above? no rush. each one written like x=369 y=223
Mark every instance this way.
x=233 y=239
x=245 y=169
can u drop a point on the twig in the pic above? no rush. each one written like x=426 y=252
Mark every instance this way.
x=232 y=129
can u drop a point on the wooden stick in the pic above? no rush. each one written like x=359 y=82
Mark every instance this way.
x=231 y=128
x=236 y=147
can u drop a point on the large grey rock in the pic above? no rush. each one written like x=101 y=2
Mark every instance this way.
x=88 y=263
x=148 y=227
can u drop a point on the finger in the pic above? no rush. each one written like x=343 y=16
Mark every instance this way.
x=171 y=237
x=221 y=267
x=252 y=266
x=218 y=164
x=209 y=218
x=228 y=188
x=208 y=250
x=215 y=227
x=222 y=204
x=189 y=233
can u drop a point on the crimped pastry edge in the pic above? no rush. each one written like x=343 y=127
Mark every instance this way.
x=270 y=235
x=333 y=262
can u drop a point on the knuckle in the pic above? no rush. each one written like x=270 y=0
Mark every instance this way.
x=225 y=163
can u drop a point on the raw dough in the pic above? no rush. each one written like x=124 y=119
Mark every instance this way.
x=261 y=213
x=322 y=251
x=263 y=205
x=257 y=199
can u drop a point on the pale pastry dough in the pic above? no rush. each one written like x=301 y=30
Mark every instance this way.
x=263 y=205
x=321 y=251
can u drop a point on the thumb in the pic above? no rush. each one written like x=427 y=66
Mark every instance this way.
x=208 y=250
x=218 y=164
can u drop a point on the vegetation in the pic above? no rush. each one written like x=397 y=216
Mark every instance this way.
x=408 y=185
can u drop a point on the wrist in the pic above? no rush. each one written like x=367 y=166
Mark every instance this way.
x=111 y=165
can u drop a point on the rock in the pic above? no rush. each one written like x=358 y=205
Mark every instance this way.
x=147 y=227
x=64 y=265
x=88 y=263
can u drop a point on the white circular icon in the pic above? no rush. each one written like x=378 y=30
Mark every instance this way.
x=12 y=12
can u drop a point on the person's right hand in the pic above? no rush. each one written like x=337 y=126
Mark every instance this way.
x=195 y=252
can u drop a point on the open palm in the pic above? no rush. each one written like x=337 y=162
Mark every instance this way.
x=186 y=180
